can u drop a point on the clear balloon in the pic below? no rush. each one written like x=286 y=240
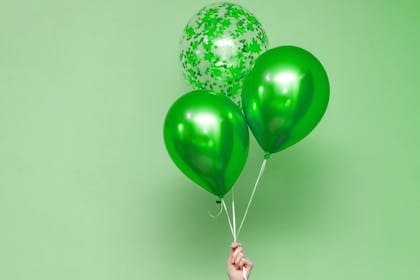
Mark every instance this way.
x=219 y=46
x=207 y=137
x=284 y=97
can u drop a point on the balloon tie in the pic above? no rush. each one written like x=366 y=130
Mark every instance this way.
x=213 y=216
x=266 y=156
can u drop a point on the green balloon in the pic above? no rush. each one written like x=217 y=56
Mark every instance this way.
x=207 y=137
x=284 y=97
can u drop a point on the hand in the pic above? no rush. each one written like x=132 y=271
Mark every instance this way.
x=236 y=261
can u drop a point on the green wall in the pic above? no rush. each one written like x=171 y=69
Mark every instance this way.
x=87 y=190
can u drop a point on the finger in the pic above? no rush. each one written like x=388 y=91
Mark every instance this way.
x=237 y=266
x=239 y=257
x=237 y=251
x=242 y=263
x=248 y=265
x=231 y=258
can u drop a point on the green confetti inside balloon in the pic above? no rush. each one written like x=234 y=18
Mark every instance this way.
x=219 y=46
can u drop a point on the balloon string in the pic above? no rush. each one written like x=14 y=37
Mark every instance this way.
x=253 y=192
x=233 y=228
x=233 y=215
x=227 y=215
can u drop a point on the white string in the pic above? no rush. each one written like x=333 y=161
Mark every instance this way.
x=253 y=192
x=234 y=230
x=227 y=215
x=233 y=215
x=231 y=228
x=244 y=273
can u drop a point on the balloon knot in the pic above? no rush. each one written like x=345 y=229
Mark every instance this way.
x=267 y=155
x=218 y=201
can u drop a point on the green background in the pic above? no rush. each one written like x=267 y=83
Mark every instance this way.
x=87 y=190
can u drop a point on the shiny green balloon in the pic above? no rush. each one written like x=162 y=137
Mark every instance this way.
x=207 y=137
x=284 y=97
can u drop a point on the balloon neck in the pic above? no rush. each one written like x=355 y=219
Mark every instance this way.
x=218 y=201
x=267 y=155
